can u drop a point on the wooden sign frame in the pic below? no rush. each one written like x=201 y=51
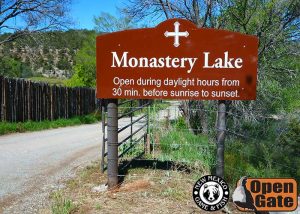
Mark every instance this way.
x=177 y=60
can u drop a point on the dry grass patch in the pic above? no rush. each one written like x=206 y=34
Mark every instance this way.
x=142 y=191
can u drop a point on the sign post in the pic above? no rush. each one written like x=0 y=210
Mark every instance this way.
x=112 y=142
x=177 y=60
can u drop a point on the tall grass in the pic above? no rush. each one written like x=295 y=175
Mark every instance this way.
x=62 y=205
x=180 y=145
x=264 y=154
x=269 y=151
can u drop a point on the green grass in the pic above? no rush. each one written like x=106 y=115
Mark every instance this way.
x=154 y=108
x=184 y=146
x=62 y=205
x=6 y=127
x=244 y=160
x=98 y=206
x=158 y=106
x=249 y=158
x=197 y=151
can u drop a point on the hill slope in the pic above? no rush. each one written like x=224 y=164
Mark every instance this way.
x=49 y=54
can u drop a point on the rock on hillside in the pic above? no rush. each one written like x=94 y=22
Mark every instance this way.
x=49 y=54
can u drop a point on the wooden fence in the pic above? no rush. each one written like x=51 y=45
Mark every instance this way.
x=22 y=100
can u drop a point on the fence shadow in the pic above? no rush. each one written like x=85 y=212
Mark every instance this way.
x=150 y=164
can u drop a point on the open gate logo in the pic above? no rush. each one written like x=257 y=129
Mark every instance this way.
x=211 y=193
x=266 y=194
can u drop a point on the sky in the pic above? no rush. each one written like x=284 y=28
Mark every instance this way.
x=83 y=11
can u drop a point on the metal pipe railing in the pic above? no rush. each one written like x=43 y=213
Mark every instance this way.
x=130 y=124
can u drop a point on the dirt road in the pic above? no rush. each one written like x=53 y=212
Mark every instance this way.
x=33 y=164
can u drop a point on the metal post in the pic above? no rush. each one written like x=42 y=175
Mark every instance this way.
x=112 y=143
x=221 y=129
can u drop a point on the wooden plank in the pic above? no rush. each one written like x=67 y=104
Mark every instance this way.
x=22 y=100
x=1 y=98
x=6 y=98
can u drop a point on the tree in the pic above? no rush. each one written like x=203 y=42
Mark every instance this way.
x=11 y=67
x=107 y=23
x=203 y=13
x=275 y=22
x=85 y=61
x=33 y=15
x=85 y=64
x=277 y=25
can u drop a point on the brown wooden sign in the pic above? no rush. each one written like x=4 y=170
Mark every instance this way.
x=177 y=60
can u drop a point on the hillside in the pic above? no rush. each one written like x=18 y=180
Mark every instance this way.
x=48 y=54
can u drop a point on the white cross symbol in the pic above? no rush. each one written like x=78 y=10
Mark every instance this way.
x=176 y=34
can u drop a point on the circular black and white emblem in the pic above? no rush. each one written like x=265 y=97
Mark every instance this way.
x=211 y=193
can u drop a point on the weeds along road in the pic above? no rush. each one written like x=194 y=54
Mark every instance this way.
x=34 y=164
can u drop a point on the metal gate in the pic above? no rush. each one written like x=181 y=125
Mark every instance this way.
x=133 y=125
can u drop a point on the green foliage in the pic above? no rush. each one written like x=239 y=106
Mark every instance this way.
x=98 y=206
x=249 y=159
x=183 y=146
x=89 y=119
x=85 y=60
x=11 y=67
x=127 y=107
x=276 y=24
x=6 y=127
x=269 y=149
x=136 y=148
x=291 y=96
x=64 y=63
x=43 y=47
x=62 y=205
x=272 y=151
x=159 y=105
x=180 y=124
x=85 y=67
x=288 y=143
x=154 y=108
x=51 y=81
x=108 y=23
x=71 y=39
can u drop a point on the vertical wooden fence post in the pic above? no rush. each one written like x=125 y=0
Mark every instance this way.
x=221 y=132
x=112 y=143
x=148 y=149
x=103 y=139
x=23 y=100
x=131 y=120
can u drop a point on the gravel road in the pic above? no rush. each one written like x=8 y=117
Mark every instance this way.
x=33 y=164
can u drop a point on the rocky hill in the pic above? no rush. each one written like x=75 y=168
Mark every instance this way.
x=49 y=54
